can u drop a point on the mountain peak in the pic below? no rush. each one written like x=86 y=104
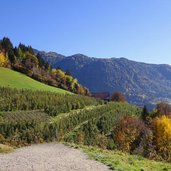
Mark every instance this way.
x=79 y=55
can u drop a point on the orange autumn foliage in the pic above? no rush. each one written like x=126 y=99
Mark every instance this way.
x=126 y=132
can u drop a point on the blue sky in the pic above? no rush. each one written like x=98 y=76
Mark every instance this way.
x=136 y=29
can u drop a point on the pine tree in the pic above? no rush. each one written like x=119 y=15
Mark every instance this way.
x=144 y=113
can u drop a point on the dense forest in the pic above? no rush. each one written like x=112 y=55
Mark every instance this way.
x=23 y=59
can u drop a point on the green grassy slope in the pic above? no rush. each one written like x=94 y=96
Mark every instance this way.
x=120 y=161
x=13 y=79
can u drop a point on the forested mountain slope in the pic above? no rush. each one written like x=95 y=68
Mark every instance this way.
x=142 y=83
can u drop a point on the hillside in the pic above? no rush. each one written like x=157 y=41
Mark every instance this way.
x=23 y=59
x=142 y=83
x=13 y=79
x=28 y=117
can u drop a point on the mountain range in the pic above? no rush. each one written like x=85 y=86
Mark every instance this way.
x=141 y=83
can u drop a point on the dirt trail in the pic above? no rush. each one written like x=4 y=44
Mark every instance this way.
x=48 y=157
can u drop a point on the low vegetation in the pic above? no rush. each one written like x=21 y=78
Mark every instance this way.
x=26 y=116
x=120 y=161
x=23 y=116
x=52 y=103
x=99 y=123
x=5 y=148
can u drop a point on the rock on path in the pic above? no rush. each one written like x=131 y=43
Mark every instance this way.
x=48 y=157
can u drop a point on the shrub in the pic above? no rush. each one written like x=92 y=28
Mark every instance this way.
x=2 y=139
x=145 y=146
x=126 y=132
x=3 y=60
x=103 y=141
x=118 y=97
x=5 y=148
x=163 y=108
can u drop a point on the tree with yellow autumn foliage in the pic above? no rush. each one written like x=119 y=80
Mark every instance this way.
x=3 y=60
x=162 y=132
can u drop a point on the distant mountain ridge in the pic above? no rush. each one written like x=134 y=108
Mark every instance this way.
x=141 y=83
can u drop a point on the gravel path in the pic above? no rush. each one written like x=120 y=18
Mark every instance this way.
x=48 y=157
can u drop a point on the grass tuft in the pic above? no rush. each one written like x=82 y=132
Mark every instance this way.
x=5 y=148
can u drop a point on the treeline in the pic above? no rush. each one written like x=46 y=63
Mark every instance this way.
x=23 y=59
x=51 y=103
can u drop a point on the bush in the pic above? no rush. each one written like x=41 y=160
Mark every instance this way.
x=118 y=97
x=5 y=148
x=103 y=141
x=145 y=146
x=163 y=109
x=126 y=132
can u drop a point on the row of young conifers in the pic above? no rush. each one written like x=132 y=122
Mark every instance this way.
x=31 y=117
